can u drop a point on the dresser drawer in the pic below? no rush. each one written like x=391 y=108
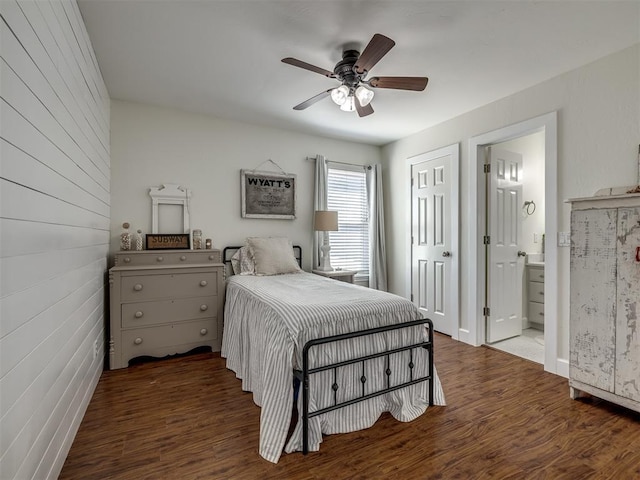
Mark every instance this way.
x=536 y=312
x=140 y=314
x=166 y=257
x=536 y=292
x=147 y=287
x=167 y=339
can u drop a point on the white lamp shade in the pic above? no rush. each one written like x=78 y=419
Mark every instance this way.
x=364 y=95
x=325 y=221
x=349 y=105
x=339 y=95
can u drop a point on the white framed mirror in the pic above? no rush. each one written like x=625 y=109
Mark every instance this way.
x=170 y=209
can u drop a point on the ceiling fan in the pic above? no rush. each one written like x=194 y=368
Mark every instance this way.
x=351 y=71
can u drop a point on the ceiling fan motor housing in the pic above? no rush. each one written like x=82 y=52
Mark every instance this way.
x=344 y=70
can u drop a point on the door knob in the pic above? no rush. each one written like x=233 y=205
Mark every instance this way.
x=446 y=254
x=522 y=254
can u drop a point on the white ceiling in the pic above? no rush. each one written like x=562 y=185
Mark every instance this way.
x=222 y=58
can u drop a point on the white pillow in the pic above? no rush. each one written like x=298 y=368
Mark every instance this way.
x=243 y=263
x=273 y=255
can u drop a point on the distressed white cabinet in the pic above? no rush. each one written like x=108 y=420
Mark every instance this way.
x=164 y=302
x=605 y=299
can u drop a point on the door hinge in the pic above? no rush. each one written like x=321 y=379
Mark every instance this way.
x=487 y=168
x=412 y=297
x=485 y=311
x=487 y=240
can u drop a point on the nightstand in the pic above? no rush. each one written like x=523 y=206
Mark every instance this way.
x=341 y=275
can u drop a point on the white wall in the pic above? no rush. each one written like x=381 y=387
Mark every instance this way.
x=54 y=221
x=151 y=146
x=598 y=131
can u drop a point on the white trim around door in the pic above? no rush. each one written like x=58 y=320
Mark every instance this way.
x=453 y=290
x=475 y=254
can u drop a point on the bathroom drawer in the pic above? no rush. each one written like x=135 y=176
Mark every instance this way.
x=535 y=274
x=536 y=312
x=536 y=292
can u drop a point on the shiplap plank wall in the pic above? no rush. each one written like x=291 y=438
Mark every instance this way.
x=54 y=226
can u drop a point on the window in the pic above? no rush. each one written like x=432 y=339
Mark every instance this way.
x=347 y=193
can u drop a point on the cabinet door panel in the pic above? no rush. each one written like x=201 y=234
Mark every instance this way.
x=593 y=297
x=628 y=305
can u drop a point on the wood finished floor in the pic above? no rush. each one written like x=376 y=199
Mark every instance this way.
x=187 y=418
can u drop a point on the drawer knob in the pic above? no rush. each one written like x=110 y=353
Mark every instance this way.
x=137 y=341
x=160 y=259
x=211 y=257
x=183 y=258
x=203 y=307
x=139 y=314
x=127 y=259
x=541 y=293
x=203 y=283
x=203 y=331
x=137 y=287
x=541 y=314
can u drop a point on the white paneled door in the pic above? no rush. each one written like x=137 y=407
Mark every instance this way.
x=505 y=259
x=434 y=189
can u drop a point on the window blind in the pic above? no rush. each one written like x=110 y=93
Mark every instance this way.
x=347 y=193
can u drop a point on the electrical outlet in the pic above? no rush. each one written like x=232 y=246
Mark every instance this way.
x=95 y=349
x=535 y=238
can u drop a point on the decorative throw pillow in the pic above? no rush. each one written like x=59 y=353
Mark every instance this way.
x=273 y=255
x=242 y=262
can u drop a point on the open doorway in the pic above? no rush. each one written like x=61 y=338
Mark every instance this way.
x=547 y=124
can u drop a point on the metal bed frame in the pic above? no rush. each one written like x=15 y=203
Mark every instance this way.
x=304 y=375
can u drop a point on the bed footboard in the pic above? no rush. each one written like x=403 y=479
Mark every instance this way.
x=304 y=374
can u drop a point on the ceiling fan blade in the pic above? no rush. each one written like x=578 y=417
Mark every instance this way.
x=363 y=111
x=307 y=66
x=400 y=83
x=312 y=100
x=373 y=52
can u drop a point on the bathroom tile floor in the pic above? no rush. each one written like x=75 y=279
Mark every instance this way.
x=529 y=345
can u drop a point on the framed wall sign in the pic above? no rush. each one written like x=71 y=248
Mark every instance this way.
x=168 y=241
x=268 y=194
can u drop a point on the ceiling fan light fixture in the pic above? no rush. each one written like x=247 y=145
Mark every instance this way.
x=339 y=95
x=364 y=95
x=349 y=105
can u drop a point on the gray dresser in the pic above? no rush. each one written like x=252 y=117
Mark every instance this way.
x=604 y=347
x=164 y=302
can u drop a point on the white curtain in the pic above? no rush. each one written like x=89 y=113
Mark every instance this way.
x=377 y=250
x=319 y=203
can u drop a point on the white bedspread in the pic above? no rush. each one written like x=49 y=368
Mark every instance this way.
x=267 y=321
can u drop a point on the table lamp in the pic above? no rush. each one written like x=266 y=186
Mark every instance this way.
x=325 y=221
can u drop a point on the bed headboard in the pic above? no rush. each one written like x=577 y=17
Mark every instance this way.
x=228 y=252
